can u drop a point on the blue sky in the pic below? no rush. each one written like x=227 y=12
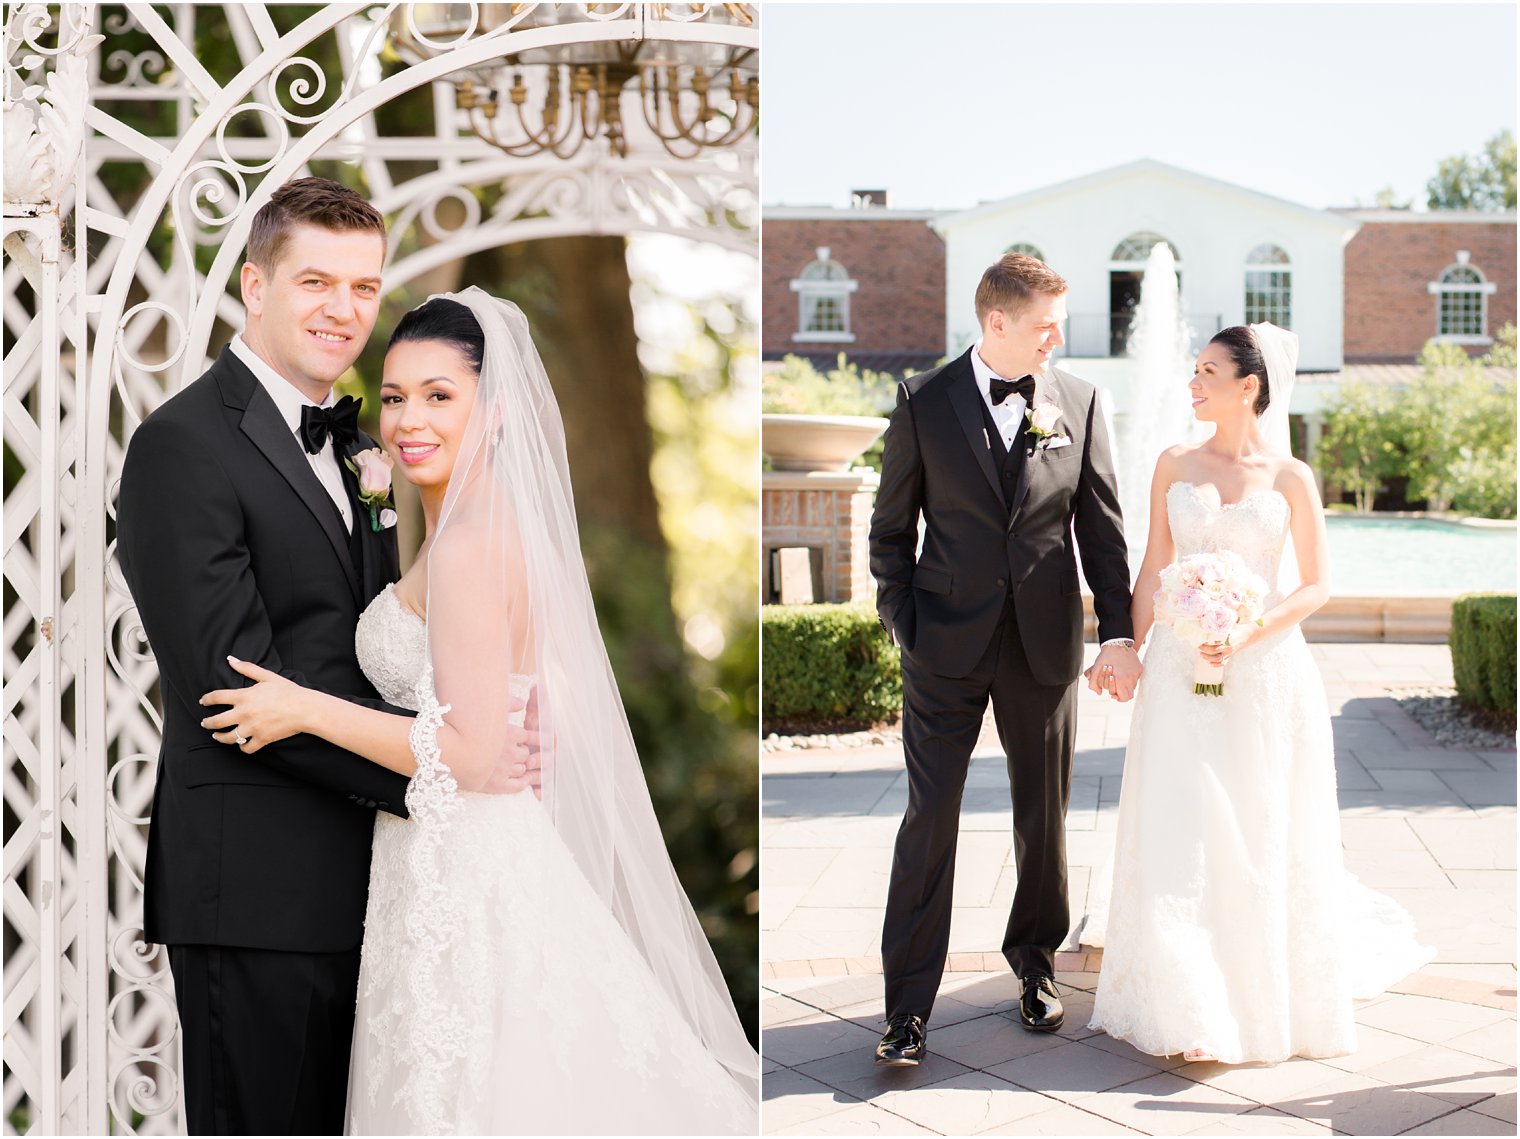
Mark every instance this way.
x=948 y=105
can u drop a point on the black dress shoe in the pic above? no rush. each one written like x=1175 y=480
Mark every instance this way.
x=904 y=1044
x=1040 y=1006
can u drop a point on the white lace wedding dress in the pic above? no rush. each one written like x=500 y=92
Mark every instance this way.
x=1232 y=925
x=497 y=995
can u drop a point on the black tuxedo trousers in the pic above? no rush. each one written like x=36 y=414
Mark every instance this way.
x=942 y=717
x=258 y=865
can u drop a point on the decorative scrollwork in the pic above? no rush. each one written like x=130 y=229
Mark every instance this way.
x=140 y=70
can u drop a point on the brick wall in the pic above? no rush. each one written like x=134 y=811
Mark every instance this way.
x=899 y=305
x=1389 y=265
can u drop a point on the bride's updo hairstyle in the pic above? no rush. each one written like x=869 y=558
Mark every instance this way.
x=1240 y=343
x=447 y=322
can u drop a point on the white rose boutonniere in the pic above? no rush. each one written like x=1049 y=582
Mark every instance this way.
x=373 y=470
x=1042 y=425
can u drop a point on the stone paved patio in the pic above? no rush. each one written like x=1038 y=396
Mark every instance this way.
x=1431 y=826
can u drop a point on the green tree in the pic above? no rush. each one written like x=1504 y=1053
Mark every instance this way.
x=1355 y=452
x=1485 y=181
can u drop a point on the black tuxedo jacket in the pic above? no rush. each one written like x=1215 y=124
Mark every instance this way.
x=979 y=549
x=230 y=545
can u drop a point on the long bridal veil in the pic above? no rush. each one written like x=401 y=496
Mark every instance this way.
x=510 y=619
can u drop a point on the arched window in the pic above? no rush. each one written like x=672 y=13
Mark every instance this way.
x=1462 y=302
x=1026 y=249
x=1269 y=286
x=823 y=291
x=1137 y=247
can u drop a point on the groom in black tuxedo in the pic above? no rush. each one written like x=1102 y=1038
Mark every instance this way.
x=241 y=532
x=1005 y=459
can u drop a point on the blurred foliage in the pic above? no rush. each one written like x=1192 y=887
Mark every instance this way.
x=828 y=666
x=1485 y=181
x=1483 y=658
x=1449 y=438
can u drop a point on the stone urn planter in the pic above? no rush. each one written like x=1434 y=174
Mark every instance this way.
x=817 y=442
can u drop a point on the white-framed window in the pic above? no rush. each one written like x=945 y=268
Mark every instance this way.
x=1135 y=248
x=1462 y=302
x=823 y=291
x=1269 y=286
x=1026 y=249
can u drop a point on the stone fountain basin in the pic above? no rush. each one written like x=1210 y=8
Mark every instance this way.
x=817 y=442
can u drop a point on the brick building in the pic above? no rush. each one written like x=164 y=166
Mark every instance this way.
x=868 y=282
x=1411 y=276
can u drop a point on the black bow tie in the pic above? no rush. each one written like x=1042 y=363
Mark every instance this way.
x=341 y=421
x=1002 y=389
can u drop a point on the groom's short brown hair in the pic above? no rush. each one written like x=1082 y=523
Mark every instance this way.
x=1011 y=280
x=308 y=201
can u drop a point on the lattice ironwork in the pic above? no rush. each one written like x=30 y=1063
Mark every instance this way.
x=120 y=243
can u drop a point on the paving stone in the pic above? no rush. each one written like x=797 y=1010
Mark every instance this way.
x=1263 y=1121
x=872 y=1014
x=991 y=1040
x=1129 y=1052
x=782 y=1010
x=847 y=793
x=1379 y=834
x=1352 y=1104
x=1261 y=1083
x=1428 y=1019
x=862 y=1119
x=1386 y=869
x=1494 y=1042
x=965 y=1104
x=1421 y=758
x=796 y=1044
x=1482 y=789
x=1166 y=1104
x=855 y=1073
x=1463 y=1122
x=1062 y=1119
x=1486 y=844
x=1501 y=1106
x=1447 y=1074
x=1407 y=779
x=789 y=1098
x=1373 y=1046
x=1071 y=1072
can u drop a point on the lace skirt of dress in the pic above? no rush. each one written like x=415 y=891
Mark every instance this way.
x=1232 y=924
x=512 y=1002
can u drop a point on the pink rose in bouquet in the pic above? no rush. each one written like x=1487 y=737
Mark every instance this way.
x=1202 y=599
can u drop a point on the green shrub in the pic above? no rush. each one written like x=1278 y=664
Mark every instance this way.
x=1483 y=649
x=827 y=665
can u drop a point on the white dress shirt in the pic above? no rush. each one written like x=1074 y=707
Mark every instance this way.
x=1008 y=415
x=289 y=400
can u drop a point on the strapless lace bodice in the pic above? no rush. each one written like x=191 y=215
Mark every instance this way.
x=391 y=643
x=1256 y=527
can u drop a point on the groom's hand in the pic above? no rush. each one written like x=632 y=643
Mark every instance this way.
x=520 y=765
x=1116 y=671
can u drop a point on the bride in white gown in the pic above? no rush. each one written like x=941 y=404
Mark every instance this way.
x=1233 y=930
x=528 y=967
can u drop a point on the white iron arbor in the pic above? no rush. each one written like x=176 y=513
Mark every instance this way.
x=109 y=307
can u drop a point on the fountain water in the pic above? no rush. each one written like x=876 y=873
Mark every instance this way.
x=1160 y=410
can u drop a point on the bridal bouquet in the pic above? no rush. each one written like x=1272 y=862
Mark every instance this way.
x=1203 y=598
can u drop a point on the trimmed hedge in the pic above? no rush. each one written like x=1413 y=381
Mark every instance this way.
x=827 y=665
x=1483 y=649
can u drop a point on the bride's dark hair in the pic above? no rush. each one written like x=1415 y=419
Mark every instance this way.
x=447 y=321
x=1240 y=342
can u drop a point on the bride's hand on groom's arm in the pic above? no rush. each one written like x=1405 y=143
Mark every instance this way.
x=267 y=711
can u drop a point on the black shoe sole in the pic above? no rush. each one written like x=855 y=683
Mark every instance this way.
x=1042 y=1027
x=899 y=1062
